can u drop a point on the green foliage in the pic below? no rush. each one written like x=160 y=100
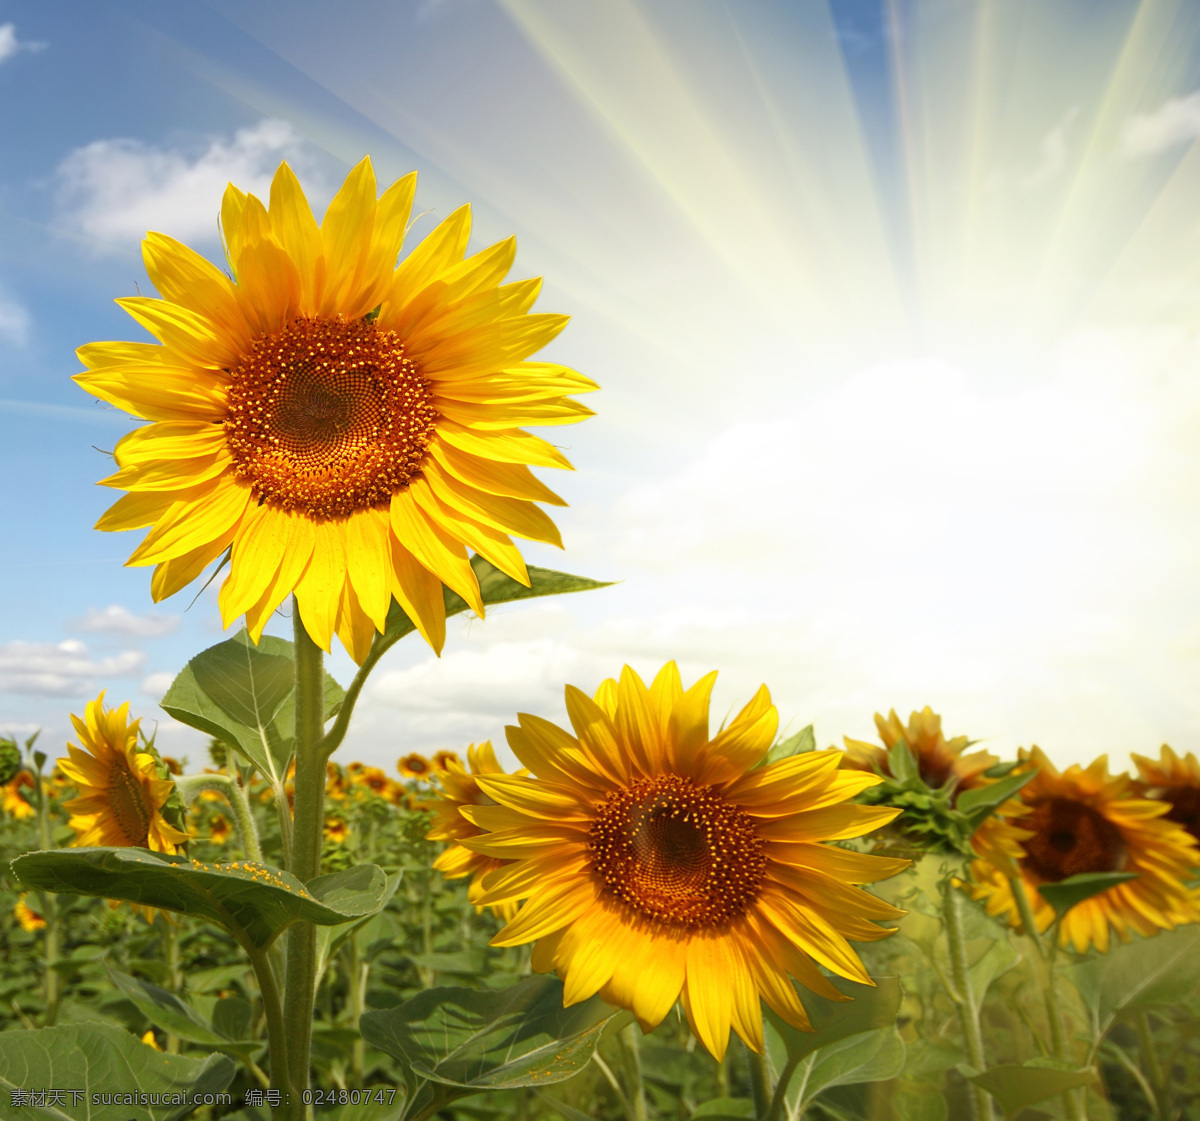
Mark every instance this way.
x=97 y=1058
x=1074 y=890
x=244 y=695
x=456 y=1041
x=1016 y=1086
x=254 y=903
x=10 y=759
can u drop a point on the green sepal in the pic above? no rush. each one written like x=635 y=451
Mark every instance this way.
x=978 y=804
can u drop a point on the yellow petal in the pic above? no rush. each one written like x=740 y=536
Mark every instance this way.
x=435 y=549
x=710 y=998
x=296 y=230
x=319 y=589
x=509 y=446
x=346 y=240
x=191 y=337
x=419 y=594
x=368 y=561
x=548 y=911
x=192 y=522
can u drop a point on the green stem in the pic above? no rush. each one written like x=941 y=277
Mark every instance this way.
x=276 y=1032
x=48 y=903
x=963 y=996
x=778 y=1098
x=1153 y=1067
x=358 y=991
x=171 y=957
x=231 y=790
x=761 y=1083
x=632 y=1060
x=307 y=833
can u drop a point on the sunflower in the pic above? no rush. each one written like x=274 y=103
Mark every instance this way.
x=219 y=829
x=12 y=801
x=461 y=788
x=442 y=759
x=336 y=830
x=414 y=766
x=29 y=919
x=374 y=780
x=656 y=862
x=1085 y=820
x=121 y=795
x=347 y=427
x=1175 y=780
x=938 y=759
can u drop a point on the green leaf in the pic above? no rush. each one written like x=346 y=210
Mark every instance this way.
x=903 y=764
x=874 y=1056
x=804 y=740
x=232 y=1015
x=167 y=1011
x=1015 y=1087
x=569 y=1112
x=100 y=1059
x=911 y=1105
x=253 y=902
x=872 y=1007
x=330 y=938
x=1146 y=973
x=244 y=695
x=494 y=587
x=725 y=1109
x=979 y=803
x=926 y=1057
x=1067 y=893
x=468 y=1040
x=996 y=961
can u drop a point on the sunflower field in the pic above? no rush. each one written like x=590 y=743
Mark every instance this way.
x=648 y=916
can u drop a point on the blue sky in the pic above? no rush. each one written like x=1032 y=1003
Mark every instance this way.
x=894 y=307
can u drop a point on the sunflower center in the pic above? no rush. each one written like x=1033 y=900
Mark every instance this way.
x=1185 y=807
x=328 y=417
x=1069 y=839
x=127 y=798
x=677 y=852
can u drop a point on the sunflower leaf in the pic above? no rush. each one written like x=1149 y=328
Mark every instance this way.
x=1141 y=974
x=873 y=1056
x=253 y=902
x=454 y=1041
x=167 y=1011
x=903 y=764
x=93 y=1058
x=1014 y=1087
x=1074 y=890
x=245 y=696
x=872 y=1006
x=494 y=587
x=804 y=740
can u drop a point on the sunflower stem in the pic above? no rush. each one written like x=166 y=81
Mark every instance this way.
x=234 y=793
x=1153 y=1067
x=307 y=833
x=277 y=1042
x=761 y=1083
x=963 y=996
x=49 y=902
x=631 y=1059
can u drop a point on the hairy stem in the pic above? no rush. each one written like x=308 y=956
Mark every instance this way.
x=308 y=819
x=963 y=996
x=632 y=1061
x=761 y=1083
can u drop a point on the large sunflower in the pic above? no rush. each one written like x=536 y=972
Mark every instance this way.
x=1085 y=820
x=656 y=862
x=347 y=427
x=1175 y=780
x=121 y=795
x=460 y=787
x=938 y=759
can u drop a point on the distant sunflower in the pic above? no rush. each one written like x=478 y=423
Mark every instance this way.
x=13 y=801
x=336 y=830
x=657 y=863
x=121 y=795
x=29 y=919
x=219 y=829
x=414 y=766
x=459 y=788
x=1085 y=820
x=348 y=427
x=1173 y=779
x=441 y=759
x=938 y=759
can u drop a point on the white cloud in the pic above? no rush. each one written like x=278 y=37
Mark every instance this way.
x=1175 y=122
x=115 y=190
x=10 y=45
x=119 y=620
x=14 y=321
x=65 y=669
x=1054 y=154
x=157 y=684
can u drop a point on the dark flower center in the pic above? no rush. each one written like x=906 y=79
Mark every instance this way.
x=328 y=417
x=1070 y=838
x=677 y=852
x=129 y=801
